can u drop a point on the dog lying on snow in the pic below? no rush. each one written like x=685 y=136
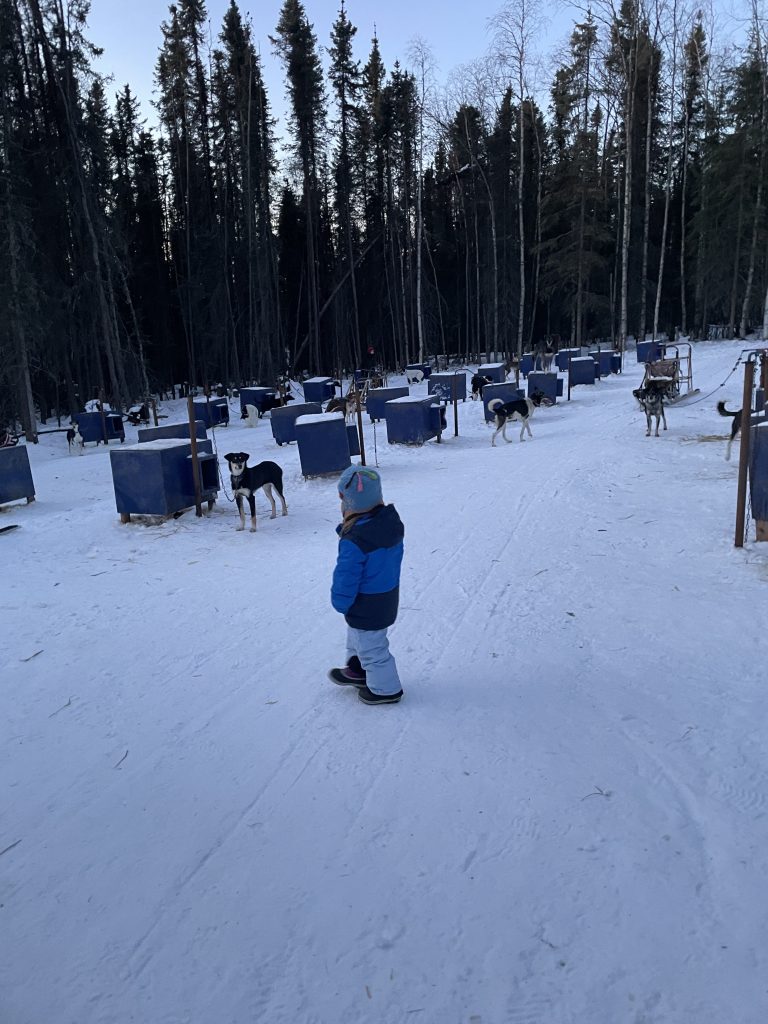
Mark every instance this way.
x=246 y=480
x=518 y=409
x=651 y=402
x=735 y=425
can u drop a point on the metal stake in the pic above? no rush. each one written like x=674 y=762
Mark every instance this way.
x=746 y=432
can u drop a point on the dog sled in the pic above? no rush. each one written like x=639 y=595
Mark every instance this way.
x=667 y=376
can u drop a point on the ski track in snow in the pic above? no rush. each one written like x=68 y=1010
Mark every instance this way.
x=563 y=822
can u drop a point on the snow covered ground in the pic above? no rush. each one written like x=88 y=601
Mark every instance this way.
x=564 y=822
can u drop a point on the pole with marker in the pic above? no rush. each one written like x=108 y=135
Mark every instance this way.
x=195 y=458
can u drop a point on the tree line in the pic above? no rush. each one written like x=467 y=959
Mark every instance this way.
x=621 y=192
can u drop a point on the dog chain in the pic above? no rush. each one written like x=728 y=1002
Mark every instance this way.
x=218 y=467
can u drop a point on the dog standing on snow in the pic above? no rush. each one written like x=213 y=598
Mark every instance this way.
x=735 y=425
x=75 y=438
x=652 y=403
x=250 y=414
x=507 y=412
x=346 y=405
x=246 y=480
x=478 y=383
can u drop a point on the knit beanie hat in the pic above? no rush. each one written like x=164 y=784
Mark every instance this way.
x=360 y=489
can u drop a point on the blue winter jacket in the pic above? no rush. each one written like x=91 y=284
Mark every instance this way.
x=366 y=580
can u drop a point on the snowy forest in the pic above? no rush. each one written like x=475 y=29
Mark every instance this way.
x=613 y=188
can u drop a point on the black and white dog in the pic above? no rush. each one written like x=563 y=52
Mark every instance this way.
x=246 y=480
x=735 y=426
x=519 y=409
x=250 y=413
x=75 y=438
x=478 y=383
x=652 y=403
x=253 y=413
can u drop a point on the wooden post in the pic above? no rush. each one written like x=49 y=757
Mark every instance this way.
x=359 y=410
x=103 y=418
x=195 y=461
x=455 y=407
x=154 y=410
x=746 y=436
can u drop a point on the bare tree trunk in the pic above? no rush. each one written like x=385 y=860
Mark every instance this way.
x=631 y=76
x=667 y=184
x=758 y=198
x=736 y=262
x=647 y=203
x=537 y=262
x=521 y=221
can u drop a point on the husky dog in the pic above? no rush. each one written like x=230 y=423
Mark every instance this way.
x=75 y=438
x=652 y=403
x=346 y=405
x=735 y=425
x=246 y=480
x=507 y=412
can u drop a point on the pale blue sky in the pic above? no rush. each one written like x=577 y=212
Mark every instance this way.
x=130 y=34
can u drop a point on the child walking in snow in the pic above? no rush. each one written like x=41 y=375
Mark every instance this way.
x=366 y=585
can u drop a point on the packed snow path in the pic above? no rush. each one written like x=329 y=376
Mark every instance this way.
x=564 y=822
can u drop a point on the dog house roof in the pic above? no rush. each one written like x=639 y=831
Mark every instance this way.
x=159 y=444
x=322 y=417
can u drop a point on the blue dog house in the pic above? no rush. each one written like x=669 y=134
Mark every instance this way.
x=425 y=368
x=92 y=429
x=283 y=420
x=442 y=385
x=562 y=357
x=255 y=397
x=584 y=370
x=604 y=360
x=318 y=389
x=156 y=478
x=377 y=398
x=214 y=412
x=15 y=475
x=758 y=477
x=506 y=392
x=495 y=372
x=527 y=362
x=178 y=430
x=759 y=400
x=324 y=441
x=648 y=351
x=413 y=420
x=545 y=384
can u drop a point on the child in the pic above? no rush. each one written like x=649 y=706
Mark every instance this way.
x=366 y=585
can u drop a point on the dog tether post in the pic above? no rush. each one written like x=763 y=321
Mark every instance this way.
x=195 y=460
x=746 y=437
x=359 y=411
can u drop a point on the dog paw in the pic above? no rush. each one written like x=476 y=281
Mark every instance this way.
x=238 y=529
x=252 y=529
x=273 y=516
